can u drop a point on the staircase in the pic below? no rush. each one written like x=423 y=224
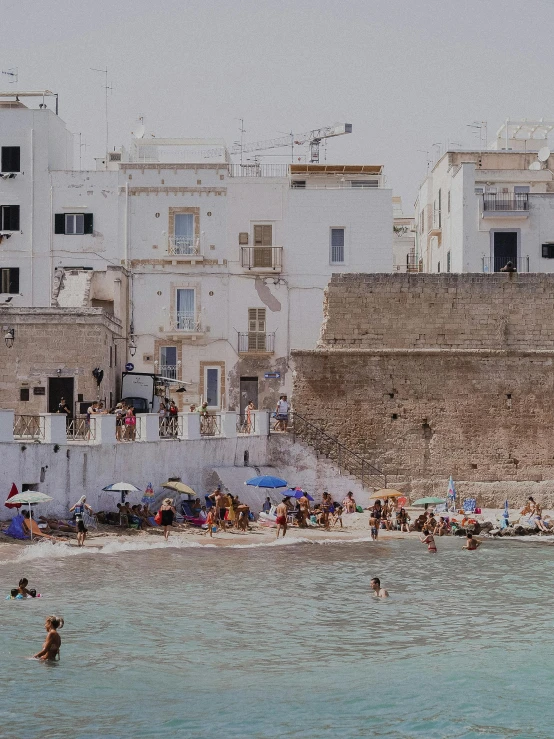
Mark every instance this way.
x=347 y=460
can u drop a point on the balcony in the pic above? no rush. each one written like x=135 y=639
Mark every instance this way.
x=184 y=249
x=186 y=322
x=255 y=342
x=496 y=264
x=168 y=371
x=511 y=205
x=262 y=258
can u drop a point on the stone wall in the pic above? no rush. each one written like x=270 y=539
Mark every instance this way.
x=433 y=375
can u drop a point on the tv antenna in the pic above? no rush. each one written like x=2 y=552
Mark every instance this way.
x=12 y=74
x=240 y=143
x=82 y=146
x=106 y=88
x=481 y=127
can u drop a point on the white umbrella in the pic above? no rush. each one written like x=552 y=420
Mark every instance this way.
x=120 y=487
x=30 y=497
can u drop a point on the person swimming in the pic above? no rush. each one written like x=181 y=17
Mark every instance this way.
x=22 y=587
x=428 y=539
x=51 y=647
x=14 y=595
x=378 y=591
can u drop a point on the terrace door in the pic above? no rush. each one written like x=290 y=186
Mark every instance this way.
x=60 y=387
x=505 y=249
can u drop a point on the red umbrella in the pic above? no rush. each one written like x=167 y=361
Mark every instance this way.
x=13 y=492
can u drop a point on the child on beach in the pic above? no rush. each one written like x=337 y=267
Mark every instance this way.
x=210 y=522
x=471 y=543
x=373 y=528
x=427 y=538
x=51 y=647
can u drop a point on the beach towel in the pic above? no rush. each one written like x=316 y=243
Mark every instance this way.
x=15 y=529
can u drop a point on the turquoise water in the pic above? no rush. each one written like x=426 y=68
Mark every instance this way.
x=283 y=641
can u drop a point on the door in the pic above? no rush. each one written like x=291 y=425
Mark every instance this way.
x=248 y=392
x=184 y=233
x=58 y=388
x=505 y=249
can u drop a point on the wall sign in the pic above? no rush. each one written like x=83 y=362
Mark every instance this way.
x=272 y=375
x=129 y=367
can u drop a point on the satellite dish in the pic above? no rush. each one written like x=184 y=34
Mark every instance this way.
x=535 y=166
x=543 y=154
x=139 y=133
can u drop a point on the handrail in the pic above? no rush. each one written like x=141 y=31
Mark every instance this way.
x=362 y=467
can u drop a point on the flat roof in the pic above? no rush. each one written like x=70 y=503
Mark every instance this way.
x=336 y=168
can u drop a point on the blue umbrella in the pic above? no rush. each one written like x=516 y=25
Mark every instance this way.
x=267 y=481
x=295 y=493
x=506 y=513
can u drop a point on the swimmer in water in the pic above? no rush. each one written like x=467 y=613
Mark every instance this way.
x=427 y=538
x=51 y=647
x=378 y=591
x=22 y=588
x=471 y=543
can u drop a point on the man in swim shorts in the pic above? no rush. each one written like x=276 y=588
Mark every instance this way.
x=471 y=543
x=281 y=519
x=378 y=591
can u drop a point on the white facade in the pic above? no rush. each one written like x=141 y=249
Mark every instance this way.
x=477 y=210
x=226 y=264
x=403 y=240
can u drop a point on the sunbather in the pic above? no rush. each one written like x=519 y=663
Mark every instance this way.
x=31 y=525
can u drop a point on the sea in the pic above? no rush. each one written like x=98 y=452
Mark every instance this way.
x=281 y=640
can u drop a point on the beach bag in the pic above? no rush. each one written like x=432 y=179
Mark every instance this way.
x=359 y=509
x=158 y=517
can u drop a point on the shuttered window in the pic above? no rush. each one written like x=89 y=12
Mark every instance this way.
x=256 y=330
x=73 y=224
x=9 y=280
x=337 y=245
x=9 y=217
x=263 y=235
x=11 y=159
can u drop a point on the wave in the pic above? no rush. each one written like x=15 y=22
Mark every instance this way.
x=50 y=550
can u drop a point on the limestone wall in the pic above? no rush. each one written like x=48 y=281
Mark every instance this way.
x=433 y=375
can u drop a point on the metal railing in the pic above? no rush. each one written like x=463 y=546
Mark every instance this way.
x=210 y=425
x=186 y=322
x=127 y=432
x=254 y=342
x=496 y=264
x=170 y=427
x=28 y=427
x=262 y=257
x=258 y=170
x=329 y=446
x=183 y=245
x=171 y=371
x=246 y=423
x=79 y=429
x=506 y=201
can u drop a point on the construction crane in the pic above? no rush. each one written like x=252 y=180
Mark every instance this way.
x=313 y=138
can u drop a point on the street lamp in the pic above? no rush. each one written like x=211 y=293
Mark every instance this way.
x=9 y=337
x=132 y=347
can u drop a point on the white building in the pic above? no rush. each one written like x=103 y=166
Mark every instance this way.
x=477 y=210
x=404 y=239
x=225 y=264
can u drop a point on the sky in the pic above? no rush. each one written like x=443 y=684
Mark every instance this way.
x=409 y=76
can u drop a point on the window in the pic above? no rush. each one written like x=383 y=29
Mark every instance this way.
x=519 y=189
x=256 y=330
x=422 y=221
x=9 y=217
x=184 y=233
x=24 y=393
x=479 y=190
x=440 y=209
x=263 y=235
x=448 y=202
x=438 y=267
x=10 y=159
x=168 y=362
x=364 y=183
x=448 y=261
x=337 y=245
x=548 y=251
x=212 y=386
x=73 y=224
x=298 y=184
x=9 y=280
x=186 y=309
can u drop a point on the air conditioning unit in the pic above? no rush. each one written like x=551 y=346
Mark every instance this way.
x=114 y=156
x=7 y=175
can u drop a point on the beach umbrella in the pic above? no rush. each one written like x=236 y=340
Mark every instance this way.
x=506 y=513
x=267 y=481
x=295 y=493
x=387 y=493
x=13 y=492
x=30 y=497
x=179 y=487
x=121 y=487
x=148 y=495
x=429 y=501
x=451 y=494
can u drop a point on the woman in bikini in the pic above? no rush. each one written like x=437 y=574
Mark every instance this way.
x=51 y=647
x=427 y=538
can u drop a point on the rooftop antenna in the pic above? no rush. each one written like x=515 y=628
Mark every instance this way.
x=12 y=74
x=106 y=88
x=242 y=132
x=82 y=146
x=481 y=127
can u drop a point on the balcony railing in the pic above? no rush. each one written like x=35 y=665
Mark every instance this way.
x=78 y=429
x=255 y=342
x=170 y=427
x=183 y=245
x=188 y=322
x=506 y=202
x=210 y=425
x=246 y=423
x=170 y=371
x=262 y=257
x=258 y=170
x=28 y=427
x=496 y=264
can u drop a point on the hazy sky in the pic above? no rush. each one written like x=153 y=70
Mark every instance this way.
x=406 y=74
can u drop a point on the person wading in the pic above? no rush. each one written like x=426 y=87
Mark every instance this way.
x=168 y=514
x=281 y=520
x=79 y=510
